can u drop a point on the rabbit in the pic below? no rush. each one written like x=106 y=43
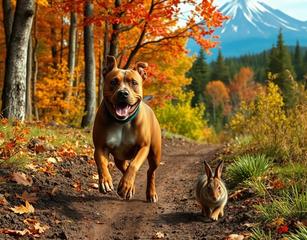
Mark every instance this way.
x=211 y=192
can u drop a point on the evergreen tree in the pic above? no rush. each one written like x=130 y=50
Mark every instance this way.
x=220 y=70
x=280 y=64
x=298 y=62
x=199 y=75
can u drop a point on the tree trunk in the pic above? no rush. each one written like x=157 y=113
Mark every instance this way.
x=114 y=36
x=14 y=96
x=29 y=81
x=89 y=75
x=62 y=40
x=35 y=67
x=8 y=17
x=72 y=50
x=106 y=50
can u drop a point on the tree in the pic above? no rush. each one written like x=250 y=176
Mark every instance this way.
x=281 y=67
x=217 y=103
x=199 y=75
x=138 y=26
x=243 y=87
x=8 y=17
x=14 y=90
x=89 y=73
x=220 y=71
x=298 y=62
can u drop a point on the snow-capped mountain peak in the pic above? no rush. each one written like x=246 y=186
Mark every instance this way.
x=252 y=17
x=253 y=27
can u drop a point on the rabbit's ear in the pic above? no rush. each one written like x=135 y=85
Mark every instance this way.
x=208 y=170
x=218 y=170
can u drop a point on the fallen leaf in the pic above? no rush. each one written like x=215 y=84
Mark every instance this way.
x=95 y=177
x=250 y=225
x=235 y=237
x=48 y=168
x=35 y=226
x=283 y=229
x=31 y=166
x=28 y=208
x=77 y=186
x=3 y=200
x=277 y=222
x=21 y=178
x=15 y=232
x=30 y=197
x=158 y=235
x=93 y=185
x=52 y=160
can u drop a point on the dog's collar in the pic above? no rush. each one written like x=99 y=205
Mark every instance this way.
x=130 y=118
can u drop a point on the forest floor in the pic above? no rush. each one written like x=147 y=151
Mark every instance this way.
x=69 y=206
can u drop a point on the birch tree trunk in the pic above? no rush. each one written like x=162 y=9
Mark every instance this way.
x=89 y=75
x=14 y=96
x=29 y=81
x=72 y=50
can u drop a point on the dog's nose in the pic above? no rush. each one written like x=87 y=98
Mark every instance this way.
x=123 y=94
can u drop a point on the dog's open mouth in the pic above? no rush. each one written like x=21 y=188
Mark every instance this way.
x=124 y=110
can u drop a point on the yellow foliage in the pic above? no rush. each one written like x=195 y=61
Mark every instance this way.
x=272 y=130
x=180 y=118
x=57 y=100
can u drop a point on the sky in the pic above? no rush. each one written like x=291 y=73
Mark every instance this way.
x=294 y=8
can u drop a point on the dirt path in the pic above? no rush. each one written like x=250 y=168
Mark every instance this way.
x=87 y=214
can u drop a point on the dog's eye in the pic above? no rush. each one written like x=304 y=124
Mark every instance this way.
x=134 y=83
x=114 y=82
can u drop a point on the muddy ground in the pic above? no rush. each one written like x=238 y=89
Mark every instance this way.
x=74 y=210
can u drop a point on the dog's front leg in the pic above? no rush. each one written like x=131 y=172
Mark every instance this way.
x=105 y=179
x=126 y=184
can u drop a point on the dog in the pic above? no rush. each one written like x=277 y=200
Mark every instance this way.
x=126 y=127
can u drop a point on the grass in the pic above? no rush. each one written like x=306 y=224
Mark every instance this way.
x=18 y=155
x=301 y=234
x=292 y=204
x=259 y=234
x=247 y=167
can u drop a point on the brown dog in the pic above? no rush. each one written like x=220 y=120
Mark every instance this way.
x=127 y=128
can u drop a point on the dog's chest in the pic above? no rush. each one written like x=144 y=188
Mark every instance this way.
x=121 y=138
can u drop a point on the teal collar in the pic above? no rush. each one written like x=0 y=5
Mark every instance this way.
x=129 y=119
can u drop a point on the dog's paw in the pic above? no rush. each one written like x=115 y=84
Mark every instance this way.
x=126 y=189
x=106 y=185
x=152 y=197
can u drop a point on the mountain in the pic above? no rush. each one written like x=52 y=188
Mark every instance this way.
x=253 y=27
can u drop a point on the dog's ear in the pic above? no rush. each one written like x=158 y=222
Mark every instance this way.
x=110 y=65
x=140 y=68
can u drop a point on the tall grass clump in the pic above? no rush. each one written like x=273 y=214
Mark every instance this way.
x=272 y=129
x=259 y=234
x=291 y=204
x=247 y=167
x=301 y=234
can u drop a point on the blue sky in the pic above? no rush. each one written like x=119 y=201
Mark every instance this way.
x=294 y=8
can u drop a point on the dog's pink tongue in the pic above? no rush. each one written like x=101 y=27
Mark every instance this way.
x=122 y=111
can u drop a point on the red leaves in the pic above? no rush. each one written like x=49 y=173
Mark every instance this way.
x=283 y=229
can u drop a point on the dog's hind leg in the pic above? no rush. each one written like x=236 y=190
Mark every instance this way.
x=154 y=162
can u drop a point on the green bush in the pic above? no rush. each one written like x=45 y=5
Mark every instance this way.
x=247 y=167
x=180 y=118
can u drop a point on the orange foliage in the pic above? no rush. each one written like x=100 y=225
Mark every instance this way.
x=243 y=86
x=52 y=92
